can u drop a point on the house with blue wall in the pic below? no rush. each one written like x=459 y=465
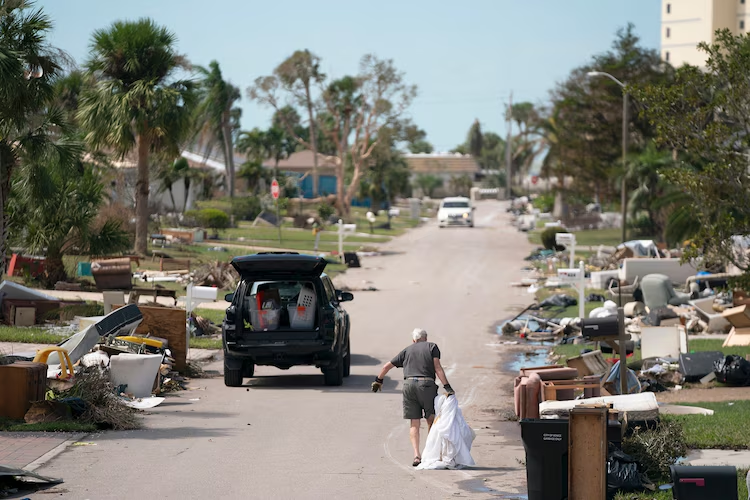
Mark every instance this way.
x=300 y=166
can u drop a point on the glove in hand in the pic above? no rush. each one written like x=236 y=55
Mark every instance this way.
x=448 y=390
x=377 y=385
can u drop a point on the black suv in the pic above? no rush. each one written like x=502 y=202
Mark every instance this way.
x=285 y=312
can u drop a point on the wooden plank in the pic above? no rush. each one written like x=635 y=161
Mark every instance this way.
x=166 y=323
x=587 y=453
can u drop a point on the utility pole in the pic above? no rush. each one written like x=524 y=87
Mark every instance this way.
x=508 y=156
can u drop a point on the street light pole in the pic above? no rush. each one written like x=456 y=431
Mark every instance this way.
x=623 y=189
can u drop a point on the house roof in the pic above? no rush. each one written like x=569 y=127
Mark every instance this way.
x=300 y=161
x=441 y=163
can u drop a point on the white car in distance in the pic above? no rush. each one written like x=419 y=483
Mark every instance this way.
x=456 y=211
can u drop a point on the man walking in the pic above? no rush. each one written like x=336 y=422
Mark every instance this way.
x=421 y=363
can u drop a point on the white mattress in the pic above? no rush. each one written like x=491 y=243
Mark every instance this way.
x=637 y=407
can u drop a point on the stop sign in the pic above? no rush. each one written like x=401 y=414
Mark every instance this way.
x=275 y=189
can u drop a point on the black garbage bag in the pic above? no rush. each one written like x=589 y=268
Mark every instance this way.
x=559 y=300
x=595 y=297
x=733 y=370
x=623 y=473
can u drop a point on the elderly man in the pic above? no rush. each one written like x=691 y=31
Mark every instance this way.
x=421 y=363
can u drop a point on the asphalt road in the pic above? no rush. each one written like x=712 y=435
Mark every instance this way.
x=285 y=435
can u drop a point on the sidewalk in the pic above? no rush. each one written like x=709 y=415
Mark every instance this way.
x=29 y=450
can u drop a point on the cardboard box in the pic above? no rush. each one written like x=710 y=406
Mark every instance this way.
x=738 y=316
x=737 y=337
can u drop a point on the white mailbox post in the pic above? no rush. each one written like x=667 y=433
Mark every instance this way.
x=576 y=278
x=569 y=241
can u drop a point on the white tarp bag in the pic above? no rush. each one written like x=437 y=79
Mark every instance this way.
x=449 y=441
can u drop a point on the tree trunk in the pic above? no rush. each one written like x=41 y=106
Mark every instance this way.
x=141 y=196
x=5 y=171
x=340 y=205
x=54 y=267
x=228 y=152
x=313 y=142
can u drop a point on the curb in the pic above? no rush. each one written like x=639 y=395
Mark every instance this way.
x=39 y=462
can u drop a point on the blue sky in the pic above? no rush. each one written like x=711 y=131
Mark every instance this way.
x=465 y=57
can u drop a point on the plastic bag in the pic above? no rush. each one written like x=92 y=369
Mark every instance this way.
x=449 y=442
x=623 y=474
x=733 y=370
x=634 y=385
x=559 y=300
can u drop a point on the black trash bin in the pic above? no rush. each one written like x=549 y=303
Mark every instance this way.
x=546 y=446
x=703 y=482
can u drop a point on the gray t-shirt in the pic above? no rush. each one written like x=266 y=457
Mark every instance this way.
x=417 y=360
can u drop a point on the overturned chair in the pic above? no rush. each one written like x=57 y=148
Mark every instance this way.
x=659 y=292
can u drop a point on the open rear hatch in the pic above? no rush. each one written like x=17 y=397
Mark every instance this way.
x=279 y=266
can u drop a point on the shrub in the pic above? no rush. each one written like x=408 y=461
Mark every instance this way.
x=642 y=227
x=325 y=211
x=548 y=238
x=212 y=218
x=656 y=449
x=545 y=202
x=246 y=207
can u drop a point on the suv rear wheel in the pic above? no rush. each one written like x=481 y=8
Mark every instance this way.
x=232 y=378
x=334 y=375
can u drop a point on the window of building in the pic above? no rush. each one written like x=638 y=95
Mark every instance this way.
x=742 y=25
x=668 y=32
x=666 y=56
x=669 y=7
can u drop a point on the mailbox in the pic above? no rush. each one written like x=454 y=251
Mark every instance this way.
x=600 y=327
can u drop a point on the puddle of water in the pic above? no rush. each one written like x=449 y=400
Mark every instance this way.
x=537 y=357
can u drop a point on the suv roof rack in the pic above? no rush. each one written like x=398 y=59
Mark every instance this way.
x=277 y=253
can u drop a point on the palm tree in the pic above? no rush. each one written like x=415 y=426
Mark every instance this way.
x=172 y=172
x=53 y=210
x=217 y=117
x=137 y=104
x=28 y=118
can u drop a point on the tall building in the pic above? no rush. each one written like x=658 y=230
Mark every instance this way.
x=686 y=23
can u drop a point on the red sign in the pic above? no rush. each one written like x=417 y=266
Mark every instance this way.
x=534 y=179
x=275 y=189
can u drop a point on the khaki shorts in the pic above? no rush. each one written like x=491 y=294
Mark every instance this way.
x=419 y=398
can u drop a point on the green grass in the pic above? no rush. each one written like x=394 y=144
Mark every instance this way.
x=588 y=238
x=215 y=315
x=726 y=429
x=205 y=343
x=28 y=335
x=64 y=426
x=566 y=351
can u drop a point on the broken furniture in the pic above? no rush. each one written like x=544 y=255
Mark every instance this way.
x=528 y=392
x=622 y=294
x=587 y=452
x=66 y=368
x=589 y=363
x=696 y=365
x=715 y=320
x=659 y=292
x=174 y=265
x=672 y=267
x=166 y=323
x=739 y=318
x=136 y=293
x=641 y=407
x=22 y=264
x=112 y=274
x=21 y=383
x=22 y=306
x=663 y=341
